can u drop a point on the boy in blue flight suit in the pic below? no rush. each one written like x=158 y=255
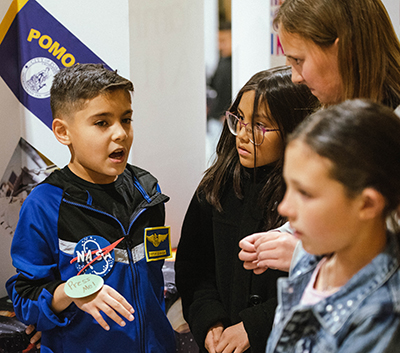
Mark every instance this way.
x=98 y=216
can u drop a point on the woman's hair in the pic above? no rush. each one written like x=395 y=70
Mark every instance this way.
x=368 y=47
x=287 y=105
x=361 y=139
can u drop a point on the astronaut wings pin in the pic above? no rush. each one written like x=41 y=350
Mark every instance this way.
x=157 y=242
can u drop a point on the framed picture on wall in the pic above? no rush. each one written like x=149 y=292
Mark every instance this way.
x=26 y=168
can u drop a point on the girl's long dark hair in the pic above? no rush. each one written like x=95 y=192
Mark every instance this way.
x=288 y=104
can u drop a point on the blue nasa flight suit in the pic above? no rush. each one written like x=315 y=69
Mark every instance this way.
x=63 y=218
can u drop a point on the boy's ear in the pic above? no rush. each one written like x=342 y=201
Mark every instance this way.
x=60 y=130
x=373 y=204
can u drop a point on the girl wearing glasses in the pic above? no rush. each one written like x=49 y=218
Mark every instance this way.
x=228 y=308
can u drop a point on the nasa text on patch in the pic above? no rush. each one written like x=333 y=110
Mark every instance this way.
x=94 y=255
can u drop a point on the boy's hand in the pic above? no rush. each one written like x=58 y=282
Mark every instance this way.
x=233 y=339
x=35 y=339
x=212 y=338
x=110 y=302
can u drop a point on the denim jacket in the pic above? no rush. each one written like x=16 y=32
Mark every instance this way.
x=363 y=316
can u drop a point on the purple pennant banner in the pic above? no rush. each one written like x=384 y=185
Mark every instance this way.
x=34 y=46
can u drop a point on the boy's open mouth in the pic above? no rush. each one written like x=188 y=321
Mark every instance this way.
x=117 y=154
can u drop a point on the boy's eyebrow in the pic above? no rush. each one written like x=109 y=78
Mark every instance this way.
x=106 y=114
x=128 y=111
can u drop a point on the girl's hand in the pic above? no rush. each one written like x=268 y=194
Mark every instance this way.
x=248 y=254
x=212 y=338
x=234 y=339
x=272 y=249
x=110 y=302
x=275 y=250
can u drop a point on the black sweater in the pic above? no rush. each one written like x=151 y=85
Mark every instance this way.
x=210 y=277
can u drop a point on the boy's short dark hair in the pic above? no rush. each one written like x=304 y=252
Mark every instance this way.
x=74 y=85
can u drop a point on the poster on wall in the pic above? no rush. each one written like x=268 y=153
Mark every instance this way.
x=34 y=46
x=277 y=56
x=26 y=168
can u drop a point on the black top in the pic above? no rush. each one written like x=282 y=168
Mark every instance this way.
x=118 y=198
x=210 y=277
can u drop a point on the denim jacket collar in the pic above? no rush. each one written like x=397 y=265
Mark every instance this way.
x=334 y=311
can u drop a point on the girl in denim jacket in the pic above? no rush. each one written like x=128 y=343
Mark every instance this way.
x=342 y=171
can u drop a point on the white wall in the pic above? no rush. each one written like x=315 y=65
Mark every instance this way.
x=160 y=47
x=167 y=68
x=393 y=7
x=250 y=40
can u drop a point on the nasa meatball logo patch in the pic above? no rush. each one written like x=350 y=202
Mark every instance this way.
x=94 y=255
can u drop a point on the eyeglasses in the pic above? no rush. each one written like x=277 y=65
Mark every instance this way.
x=235 y=124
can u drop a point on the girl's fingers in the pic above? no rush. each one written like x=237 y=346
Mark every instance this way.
x=250 y=265
x=247 y=256
x=248 y=242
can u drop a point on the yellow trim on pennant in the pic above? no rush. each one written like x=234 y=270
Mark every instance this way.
x=14 y=8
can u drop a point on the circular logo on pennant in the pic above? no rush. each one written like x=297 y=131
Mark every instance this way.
x=94 y=255
x=37 y=77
